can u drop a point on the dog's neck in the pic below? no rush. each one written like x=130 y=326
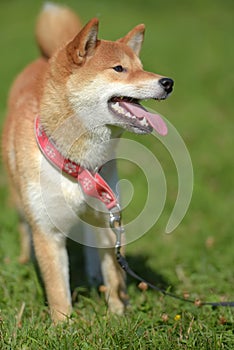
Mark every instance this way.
x=89 y=147
x=92 y=183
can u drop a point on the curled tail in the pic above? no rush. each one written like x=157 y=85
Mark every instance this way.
x=56 y=25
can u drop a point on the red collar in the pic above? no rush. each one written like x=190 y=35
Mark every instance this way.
x=92 y=183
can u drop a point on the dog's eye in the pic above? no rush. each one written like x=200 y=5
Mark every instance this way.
x=119 y=69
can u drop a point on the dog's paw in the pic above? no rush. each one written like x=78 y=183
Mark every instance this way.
x=116 y=306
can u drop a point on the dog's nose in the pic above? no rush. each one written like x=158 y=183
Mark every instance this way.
x=167 y=84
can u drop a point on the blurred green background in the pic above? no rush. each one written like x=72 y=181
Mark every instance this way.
x=192 y=42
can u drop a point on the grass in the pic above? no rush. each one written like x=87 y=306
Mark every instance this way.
x=191 y=41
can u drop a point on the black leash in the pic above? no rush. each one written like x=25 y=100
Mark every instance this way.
x=124 y=264
x=115 y=224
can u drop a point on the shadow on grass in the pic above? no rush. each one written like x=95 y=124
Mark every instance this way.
x=138 y=263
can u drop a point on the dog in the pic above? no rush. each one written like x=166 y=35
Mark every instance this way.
x=82 y=92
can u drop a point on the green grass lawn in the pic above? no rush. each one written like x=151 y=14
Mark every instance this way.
x=192 y=42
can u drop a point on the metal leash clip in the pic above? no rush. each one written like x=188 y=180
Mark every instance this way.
x=116 y=226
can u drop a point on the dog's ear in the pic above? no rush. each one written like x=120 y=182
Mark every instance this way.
x=134 y=38
x=84 y=43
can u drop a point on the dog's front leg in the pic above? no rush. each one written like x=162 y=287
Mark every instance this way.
x=112 y=275
x=114 y=280
x=51 y=254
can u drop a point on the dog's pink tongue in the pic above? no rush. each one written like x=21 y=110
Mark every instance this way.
x=154 y=120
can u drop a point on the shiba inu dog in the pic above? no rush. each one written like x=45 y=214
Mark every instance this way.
x=81 y=92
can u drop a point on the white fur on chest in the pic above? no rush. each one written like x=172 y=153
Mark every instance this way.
x=57 y=200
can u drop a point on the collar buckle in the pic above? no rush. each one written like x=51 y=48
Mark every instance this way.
x=115 y=221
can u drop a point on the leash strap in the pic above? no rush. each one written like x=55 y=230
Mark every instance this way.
x=115 y=224
x=124 y=264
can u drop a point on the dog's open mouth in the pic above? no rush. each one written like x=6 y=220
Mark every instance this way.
x=134 y=117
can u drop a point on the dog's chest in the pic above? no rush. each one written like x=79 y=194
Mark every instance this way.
x=58 y=201
x=55 y=199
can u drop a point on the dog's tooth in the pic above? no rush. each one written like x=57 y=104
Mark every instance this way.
x=144 y=122
x=117 y=107
x=128 y=115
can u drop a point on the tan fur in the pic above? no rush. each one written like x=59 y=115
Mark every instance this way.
x=71 y=88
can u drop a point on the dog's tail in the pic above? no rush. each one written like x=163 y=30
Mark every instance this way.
x=56 y=25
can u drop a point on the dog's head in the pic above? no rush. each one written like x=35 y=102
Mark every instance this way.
x=106 y=81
